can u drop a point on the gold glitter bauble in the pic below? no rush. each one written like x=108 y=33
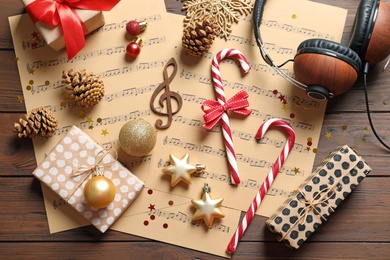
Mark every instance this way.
x=137 y=137
x=99 y=192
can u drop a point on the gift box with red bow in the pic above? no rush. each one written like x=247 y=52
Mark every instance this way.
x=63 y=23
x=73 y=162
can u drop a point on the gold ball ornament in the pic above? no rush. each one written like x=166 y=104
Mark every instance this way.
x=99 y=192
x=137 y=137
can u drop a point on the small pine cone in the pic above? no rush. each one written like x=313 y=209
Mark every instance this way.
x=198 y=39
x=86 y=89
x=38 y=122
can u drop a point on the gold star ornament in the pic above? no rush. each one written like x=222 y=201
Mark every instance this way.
x=180 y=170
x=207 y=208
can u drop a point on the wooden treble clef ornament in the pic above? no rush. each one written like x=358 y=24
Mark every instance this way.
x=167 y=96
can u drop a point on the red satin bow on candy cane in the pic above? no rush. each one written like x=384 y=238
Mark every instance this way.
x=214 y=113
x=56 y=12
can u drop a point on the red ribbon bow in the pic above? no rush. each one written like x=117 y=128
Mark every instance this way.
x=214 y=113
x=56 y=12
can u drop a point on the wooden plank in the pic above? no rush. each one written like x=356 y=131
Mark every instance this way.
x=363 y=216
x=156 y=250
x=359 y=229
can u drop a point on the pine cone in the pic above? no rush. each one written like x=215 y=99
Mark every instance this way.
x=39 y=121
x=198 y=39
x=86 y=89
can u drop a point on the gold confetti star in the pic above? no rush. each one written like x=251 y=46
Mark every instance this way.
x=31 y=71
x=17 y=59
x=89 y=120
x=364 y=139
x=90 y=127
x=365 y=128
x=296 y=170
x=20 y=99
x=179 y=170
x=104 y=132
x=328 y=135
x=81 y=113
x=42 y=69
x=285 y=107
x=207 y=208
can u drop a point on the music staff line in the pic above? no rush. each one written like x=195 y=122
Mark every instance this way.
x=183 y=218
x=253 y=162
x=246 y=183
x=294 y=29
x=290 y=28
x=267 y=45
x=106 y=121
x=121 y=25
x=242 y=135
x=92 y=54
x=251 y=89
x=255 y=113
x=182 y=120
x=105 y=74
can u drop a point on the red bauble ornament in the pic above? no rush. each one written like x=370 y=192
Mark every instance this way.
x=134 y=48
x=134 y=28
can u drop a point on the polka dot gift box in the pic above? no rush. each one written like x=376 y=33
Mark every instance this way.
x=321 y=193
x=73 y=162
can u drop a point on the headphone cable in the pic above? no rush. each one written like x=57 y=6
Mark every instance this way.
x=365 y=72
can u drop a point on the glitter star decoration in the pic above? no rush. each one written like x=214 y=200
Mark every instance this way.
x=179 y=169
x=328 y=135
x=223 y=12
x=104 y=132
x=21 y=99
x=207 y=208
x=296 y=170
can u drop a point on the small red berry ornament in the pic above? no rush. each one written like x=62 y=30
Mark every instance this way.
x=134 y=48
x=134 y=27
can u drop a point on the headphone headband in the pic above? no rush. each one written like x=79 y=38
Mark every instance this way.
x=258 y=9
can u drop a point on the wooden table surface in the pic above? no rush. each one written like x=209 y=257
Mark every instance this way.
x=359 y=229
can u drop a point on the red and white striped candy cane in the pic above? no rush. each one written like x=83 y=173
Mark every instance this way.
x=268 y=181
x=227 y=133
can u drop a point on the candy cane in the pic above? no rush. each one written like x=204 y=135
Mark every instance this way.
x=268 y=181
x=227 y=133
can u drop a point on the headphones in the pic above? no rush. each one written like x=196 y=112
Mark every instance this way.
x=324 y=68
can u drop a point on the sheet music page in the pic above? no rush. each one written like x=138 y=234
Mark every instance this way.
x=128 y=82
x=129 y=86
x=270 y=96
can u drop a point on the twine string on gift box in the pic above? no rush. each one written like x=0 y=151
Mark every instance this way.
x=322 y=197
x=97 y=166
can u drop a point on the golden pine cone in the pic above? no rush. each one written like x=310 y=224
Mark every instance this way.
x=86 y=89
x=38 y=122
x=198 y=39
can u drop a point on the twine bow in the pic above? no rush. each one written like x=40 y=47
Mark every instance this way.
x=314 y=202
x=311 y=205
x=61 y=12
x=97 y=166
x=215 y=110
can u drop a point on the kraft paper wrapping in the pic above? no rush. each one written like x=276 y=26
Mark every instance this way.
x=77 y=150
x=314 y=201
x=54 y=37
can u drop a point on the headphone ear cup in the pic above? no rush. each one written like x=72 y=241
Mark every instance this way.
x=326 y=64
x=371 y=30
